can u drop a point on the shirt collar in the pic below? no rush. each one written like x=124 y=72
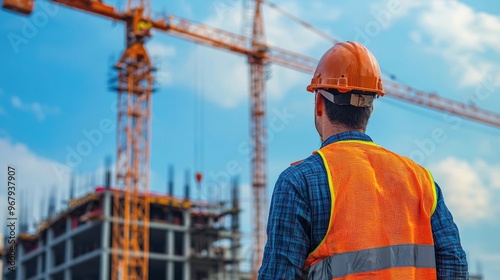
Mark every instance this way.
x=350 y=135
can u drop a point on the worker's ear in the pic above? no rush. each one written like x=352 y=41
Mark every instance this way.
x=319 y=105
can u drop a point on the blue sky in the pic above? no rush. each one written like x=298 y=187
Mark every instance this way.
x=53 y=92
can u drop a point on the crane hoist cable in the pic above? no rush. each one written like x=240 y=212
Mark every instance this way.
x=322 y=34
x=302 y=22
x=199 y=125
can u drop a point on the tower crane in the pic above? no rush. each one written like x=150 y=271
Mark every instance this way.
x=135 y=87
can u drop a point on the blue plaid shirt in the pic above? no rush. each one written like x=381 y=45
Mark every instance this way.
x=300 y=213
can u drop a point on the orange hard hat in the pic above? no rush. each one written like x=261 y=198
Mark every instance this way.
x=348 y=66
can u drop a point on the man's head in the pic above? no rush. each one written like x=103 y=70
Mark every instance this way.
x=346 y=81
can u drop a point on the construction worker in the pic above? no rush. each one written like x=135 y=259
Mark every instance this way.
x=355 y=210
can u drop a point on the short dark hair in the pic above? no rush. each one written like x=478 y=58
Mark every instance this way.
x=347 y=115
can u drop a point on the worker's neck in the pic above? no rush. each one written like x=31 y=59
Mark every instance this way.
x=333 y=129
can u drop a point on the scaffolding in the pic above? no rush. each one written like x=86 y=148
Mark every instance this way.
x=189 y=240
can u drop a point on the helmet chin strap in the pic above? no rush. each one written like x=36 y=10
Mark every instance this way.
x=353 y=99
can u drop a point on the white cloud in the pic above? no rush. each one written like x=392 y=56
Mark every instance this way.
x=459 y=27
x=224 y=77
x=468 y=188
x=186 y=9
x=456 y=32
x=218 y=76
x=416 y=37
x=282 y=32
x=35 y=177
x=461 y=36
x=489 y=173
x=388 y=12
x=319 y=7
x=490 y=257
x=160 y=55
x=160 y=51
x=39 y=110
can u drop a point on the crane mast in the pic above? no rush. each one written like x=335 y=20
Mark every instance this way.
x=130 y=241
x=258 y=60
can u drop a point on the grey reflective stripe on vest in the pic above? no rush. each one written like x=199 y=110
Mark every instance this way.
x=419 y=256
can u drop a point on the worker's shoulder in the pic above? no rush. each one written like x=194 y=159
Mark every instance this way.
x=299 y=175
x=309 y=160
x=296 y=162
x=304 y=166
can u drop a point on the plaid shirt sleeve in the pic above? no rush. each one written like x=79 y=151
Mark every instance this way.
x=289 y=226
x=451 y=262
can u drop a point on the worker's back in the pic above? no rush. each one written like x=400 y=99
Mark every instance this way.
x=380 y=225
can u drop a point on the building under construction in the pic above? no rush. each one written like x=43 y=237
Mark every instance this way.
x=187 y=240
x=128 y=233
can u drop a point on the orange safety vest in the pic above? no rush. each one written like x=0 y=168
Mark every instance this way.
x=380 y=216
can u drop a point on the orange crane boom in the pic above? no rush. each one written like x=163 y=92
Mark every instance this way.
x=218 y=38
x=134 y=87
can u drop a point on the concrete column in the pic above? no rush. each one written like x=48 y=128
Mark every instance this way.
x=106 y=210
x=105 y=234
x=170 y=240
x=69 y=252
x=69 y=247
x=170 y=270
x=67 y=274
x=166 y=271
x=48 y=254
x=167 y=244
x=187 y=255
x=38 y=265
x=68 y=225
x=187 y=244
x=166 y=252
x=41 y=257
x=210 y=243
x=19 y=266
x=187 y=218
x=170 y=252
